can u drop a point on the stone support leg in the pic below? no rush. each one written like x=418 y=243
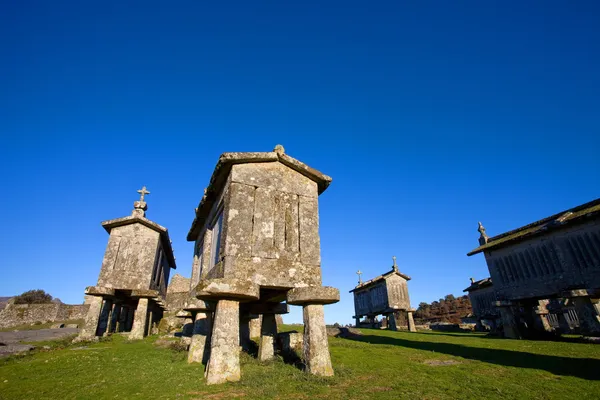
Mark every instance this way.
x=357 y=322
x=224 y=363
x=392 y=326
x=268 y=335
x=509 y=322
x=139 y=320
x=411 y=322
x=104 y=320
x=316 y=347
x=200 y=344
x=255 y=326
x=589 y=319
x=245 y=332
x=88 y=332
x=540 y=318
x=114 y=318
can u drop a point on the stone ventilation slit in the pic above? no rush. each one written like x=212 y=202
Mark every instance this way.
x=527 y=270
x=530 y=260
x=544 y=260
x=501 y=271
x=519 y=268
x=595 y=252
x=548 y=258
x=299 y=227
x=554 y=256
x=584 y=250
x=531 y=254
x=528 y=265
x=511 y=269
x=574 y=254
x=253 y=221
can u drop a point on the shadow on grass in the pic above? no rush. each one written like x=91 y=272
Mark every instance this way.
x=585 y=368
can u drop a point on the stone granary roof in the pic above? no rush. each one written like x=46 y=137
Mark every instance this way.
x=556 y=221
x=378 y=279
x=132 y=219
x=219 y=178
x=486 y=282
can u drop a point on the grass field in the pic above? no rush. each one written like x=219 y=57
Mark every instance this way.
x=377 y=365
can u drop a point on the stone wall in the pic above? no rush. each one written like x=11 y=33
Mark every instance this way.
x=29 y=314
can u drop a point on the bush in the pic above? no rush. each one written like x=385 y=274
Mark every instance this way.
x=37 y=296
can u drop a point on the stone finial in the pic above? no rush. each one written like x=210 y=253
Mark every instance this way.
x=395 y=266
x=359 y=273
x=140 y=206
x=279 y=149
x=483 y=238
x=472 y=280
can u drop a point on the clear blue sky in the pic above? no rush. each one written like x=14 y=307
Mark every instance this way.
x=429 y=116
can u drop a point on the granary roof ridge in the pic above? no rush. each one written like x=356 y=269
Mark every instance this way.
x=541 y=226
x=227 y=160
x=131 y=219
x=379 y=278
x=485 y=282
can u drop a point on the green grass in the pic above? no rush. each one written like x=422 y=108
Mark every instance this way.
x=379 y=365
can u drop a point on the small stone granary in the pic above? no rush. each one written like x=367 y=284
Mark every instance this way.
x=545 y=267
x=129 y=295
x=483 y=298
x=385 y=295
x=257 y=250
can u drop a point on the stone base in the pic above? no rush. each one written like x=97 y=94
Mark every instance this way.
x=224 y=363
x=316 y=347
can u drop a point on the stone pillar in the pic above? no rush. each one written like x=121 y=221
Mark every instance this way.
x=88 y=332
x=509 y=320
x=224 y=363
x=113 y=322
x=540 y=313
x=139 y=320
x=200 y=344
x=411 y=321
x=315 y=346
x=589 y=319
x=392 y=325
x=357 y=321
x=105 y=315
x=268 y=335
x=149 y=325
x=255 y=326
x=129 y=321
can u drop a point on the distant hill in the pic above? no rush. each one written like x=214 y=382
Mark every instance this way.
x=448 y=309
x=4 y=302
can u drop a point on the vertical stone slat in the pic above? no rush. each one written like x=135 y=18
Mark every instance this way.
x=292 y=230
x=309 y=231
x=263 y=230
x=239 y=221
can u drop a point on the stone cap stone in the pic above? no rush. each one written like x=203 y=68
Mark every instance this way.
x=227 y=289
x=313 y=295
x=221 y=172
x=99 y=291
x=183 y=314
x=150 y=294
x=199 y=305
x=133 y=219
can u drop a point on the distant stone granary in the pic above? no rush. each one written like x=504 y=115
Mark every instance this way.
x=544 y=267
x=129 y=295
x=257 y=249
x=483 y=301
x=385 y=295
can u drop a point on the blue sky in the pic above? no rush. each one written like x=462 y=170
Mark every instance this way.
x=429 y=116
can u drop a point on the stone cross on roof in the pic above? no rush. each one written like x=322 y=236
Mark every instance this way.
x=359 y=273
x=395 y=266
x=143 y=191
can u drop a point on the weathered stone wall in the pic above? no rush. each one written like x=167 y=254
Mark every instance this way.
x=397 y=289
x=270 y=231
x=130 y=257
x=29 y=314
x=544 y=265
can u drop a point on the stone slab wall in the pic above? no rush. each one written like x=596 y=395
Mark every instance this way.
x=544 y=265
x=270 y=231
x=482 y=301
x=29 y=314
x=130 y=258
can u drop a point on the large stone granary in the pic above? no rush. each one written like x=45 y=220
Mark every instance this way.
x=257 y=250
x=132 y=284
